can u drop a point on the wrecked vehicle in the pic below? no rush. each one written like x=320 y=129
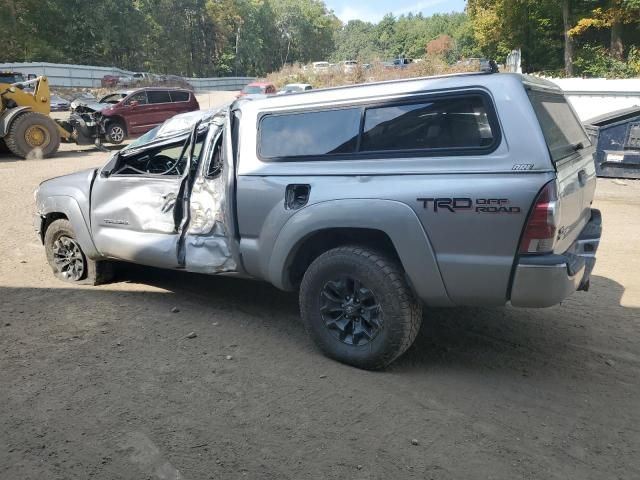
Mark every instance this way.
x=127 y=113
x=371 y=201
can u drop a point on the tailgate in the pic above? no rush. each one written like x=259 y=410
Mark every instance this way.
x=572 y=155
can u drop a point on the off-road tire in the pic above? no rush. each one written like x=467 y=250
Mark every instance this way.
x=16 y=138
x=115 y=133
x=385 y=278
x=95 y=272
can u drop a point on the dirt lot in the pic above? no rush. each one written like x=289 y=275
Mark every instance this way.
x=101 y=383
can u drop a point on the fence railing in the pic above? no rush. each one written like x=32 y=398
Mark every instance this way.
x=87 y=76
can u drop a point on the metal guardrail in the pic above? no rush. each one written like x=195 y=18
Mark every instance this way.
x=87 y=76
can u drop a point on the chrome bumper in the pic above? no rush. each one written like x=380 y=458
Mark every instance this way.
x=546 y=280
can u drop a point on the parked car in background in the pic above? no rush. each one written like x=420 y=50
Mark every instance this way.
x=258 y=88
x=175 y=81
x=59 y=104
x=128 y=113
x=295 y=88
x=349 y=66
x=467 y=190
x=109 y=81
x=476 y=64
x=321 y=67
x=125 y=81
x=397 y=63
x=140 y=78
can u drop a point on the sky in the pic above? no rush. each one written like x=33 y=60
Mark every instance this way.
x=374 y=10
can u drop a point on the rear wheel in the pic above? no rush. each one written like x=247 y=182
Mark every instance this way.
x=358 y=308
x=68 y=261
x=115 y=133
x=33 y=131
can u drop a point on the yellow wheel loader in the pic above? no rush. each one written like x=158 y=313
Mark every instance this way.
x=25 y=124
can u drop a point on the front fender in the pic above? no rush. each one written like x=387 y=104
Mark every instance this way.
x=71 y=209
x=395 y=219
x=7 y=118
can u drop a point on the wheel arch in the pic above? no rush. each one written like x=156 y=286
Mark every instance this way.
x=48 y=219
x=9 y=116
x=63 y=207
x=386 y=225
x=120 y=120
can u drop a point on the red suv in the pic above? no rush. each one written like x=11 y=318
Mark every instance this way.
x=134 y=112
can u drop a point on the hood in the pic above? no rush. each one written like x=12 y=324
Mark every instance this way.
x=89 y=105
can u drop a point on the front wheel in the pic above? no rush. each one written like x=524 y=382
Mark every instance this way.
x=358 y=308
x=115 y=133
x=68 y=261
x=33 y=131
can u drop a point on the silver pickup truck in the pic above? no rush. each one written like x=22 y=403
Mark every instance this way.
x=372 y=201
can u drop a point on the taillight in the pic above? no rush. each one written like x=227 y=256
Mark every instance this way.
x=540 y=232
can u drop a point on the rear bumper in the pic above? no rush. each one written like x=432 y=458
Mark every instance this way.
x=546 y=280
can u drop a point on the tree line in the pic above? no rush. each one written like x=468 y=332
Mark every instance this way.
x=584 y=37
x=254 y=37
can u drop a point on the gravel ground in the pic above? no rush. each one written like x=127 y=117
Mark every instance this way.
x=103 y=383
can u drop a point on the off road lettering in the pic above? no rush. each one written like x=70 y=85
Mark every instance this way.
x=461 y=204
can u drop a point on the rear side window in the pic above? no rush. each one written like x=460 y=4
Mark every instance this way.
x=561 y=128
x=179 y=96
x=446 y=123
x=158 y=96
x=452 y=124
x=310 y=134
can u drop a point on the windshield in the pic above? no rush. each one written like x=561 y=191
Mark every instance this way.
x=293 y=88
x=11 y=77
x=146 y=138
x=252 y=89
x=113 y=98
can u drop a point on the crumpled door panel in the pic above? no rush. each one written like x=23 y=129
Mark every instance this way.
x=206 y=243
x=133 y=219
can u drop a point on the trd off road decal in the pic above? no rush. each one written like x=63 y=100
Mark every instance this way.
x=463 y=204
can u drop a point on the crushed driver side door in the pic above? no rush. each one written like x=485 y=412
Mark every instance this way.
x=205 y=247
x=136 y=204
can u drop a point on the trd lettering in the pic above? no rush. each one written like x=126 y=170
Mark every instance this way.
x=450 y=204
x=458 y=204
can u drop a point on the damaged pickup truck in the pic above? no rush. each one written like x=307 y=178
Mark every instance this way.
x=371 y=201
x=126 y=113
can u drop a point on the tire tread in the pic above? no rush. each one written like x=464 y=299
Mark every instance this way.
x=407 y=324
